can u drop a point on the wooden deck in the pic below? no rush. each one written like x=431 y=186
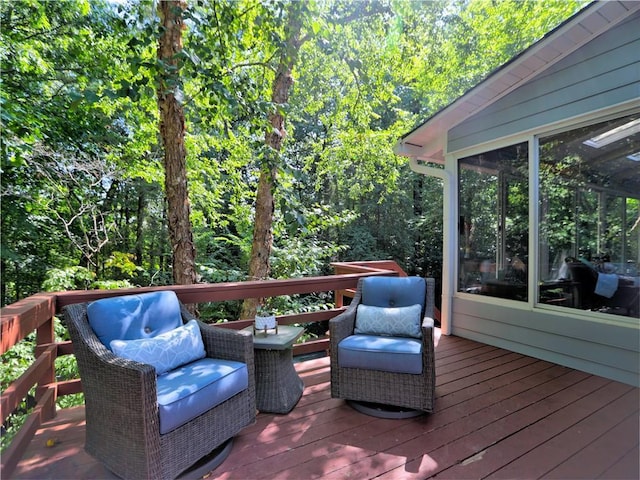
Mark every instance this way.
x=498 y=415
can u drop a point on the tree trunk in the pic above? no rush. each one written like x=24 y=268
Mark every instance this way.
x=259 y=267
x=140 y=217
x=172 y=131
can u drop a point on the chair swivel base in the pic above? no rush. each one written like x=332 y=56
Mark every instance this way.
x=209 y=462
x=384 y=411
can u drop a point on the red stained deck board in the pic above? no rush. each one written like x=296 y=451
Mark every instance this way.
x=600 y=455
x=317 y=369
x=321 y=466
x=450 y=423
x=377 y=427
x=445 y=361
x=365 y=467
x=515 y=372
x=446 y=344
x=462 y=364
x=496 y=411
x=430 y=438
x=271 y=430
x=67 y=459
x=455 y=381
x=552 y=452
x=456 y=361
x=459 y=441
x=568 y=423
x=277 y=465
x=474 y=441
x=313 y=379
x=510 y=385
x=271 y=455
x=315 y=394
x=627 y=467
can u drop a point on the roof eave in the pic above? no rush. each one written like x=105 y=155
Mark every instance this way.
x=426 y=141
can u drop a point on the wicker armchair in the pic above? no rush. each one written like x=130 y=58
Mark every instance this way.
x=360 y=382
x=123 y=428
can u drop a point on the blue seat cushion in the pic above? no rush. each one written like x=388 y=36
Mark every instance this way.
x=131 y=317
x=193 y=389
x=393 y=291
x=387 y=354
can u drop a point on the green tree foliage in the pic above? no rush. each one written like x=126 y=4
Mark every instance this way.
x=82 y=177
x=57 y=137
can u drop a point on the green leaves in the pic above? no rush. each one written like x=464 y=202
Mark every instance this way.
x=80 y=139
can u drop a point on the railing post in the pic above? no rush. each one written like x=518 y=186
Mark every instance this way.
x=339 y=299
x=45 y=336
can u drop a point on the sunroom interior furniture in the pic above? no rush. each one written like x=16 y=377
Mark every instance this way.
x=622 y=296
x=382 y=347
x=173 y=397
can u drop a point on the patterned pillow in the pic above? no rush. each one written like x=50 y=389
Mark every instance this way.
x=166 y=351
x=390 y=321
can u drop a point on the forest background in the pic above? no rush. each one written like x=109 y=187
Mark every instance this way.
x=84 y=201
x=285 y=114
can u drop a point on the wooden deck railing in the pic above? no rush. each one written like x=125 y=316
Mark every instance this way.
x=38 y=312
x=345 y=268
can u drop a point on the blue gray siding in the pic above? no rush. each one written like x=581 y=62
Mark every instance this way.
x=603 y=73
x=604 y=349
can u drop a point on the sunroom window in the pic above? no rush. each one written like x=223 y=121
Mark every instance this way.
x=589 y=229
x=493 y=200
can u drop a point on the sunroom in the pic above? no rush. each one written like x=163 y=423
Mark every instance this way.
x=541 y=175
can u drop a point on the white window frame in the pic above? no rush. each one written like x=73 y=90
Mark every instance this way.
x=452 y=212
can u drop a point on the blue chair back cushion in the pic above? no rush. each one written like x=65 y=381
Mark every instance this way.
x=387 y=354
x=131 y=317
x=394 y=291
x=193 y=389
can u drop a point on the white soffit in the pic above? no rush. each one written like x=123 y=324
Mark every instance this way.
x=426 y=142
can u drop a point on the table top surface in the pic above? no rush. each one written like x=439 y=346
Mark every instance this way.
x=284 y=339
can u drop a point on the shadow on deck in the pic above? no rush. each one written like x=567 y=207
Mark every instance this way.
x=498 y=414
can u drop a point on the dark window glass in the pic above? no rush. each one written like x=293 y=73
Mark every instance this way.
x=494 y=223
x=589 y=217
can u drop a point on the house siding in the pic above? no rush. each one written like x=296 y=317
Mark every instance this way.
x=602 y=73
x=587 y=344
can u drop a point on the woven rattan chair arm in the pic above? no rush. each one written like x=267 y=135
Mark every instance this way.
x=186 y=314
x=427 y=323
x=227 y=344
x=342 y=325
x=231 y=345
x=115 y=379
x=429 y=306
x=427 y=333
x=116 y=365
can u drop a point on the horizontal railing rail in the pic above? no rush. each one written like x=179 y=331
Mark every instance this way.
x=346 y=268
x=37 y=313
